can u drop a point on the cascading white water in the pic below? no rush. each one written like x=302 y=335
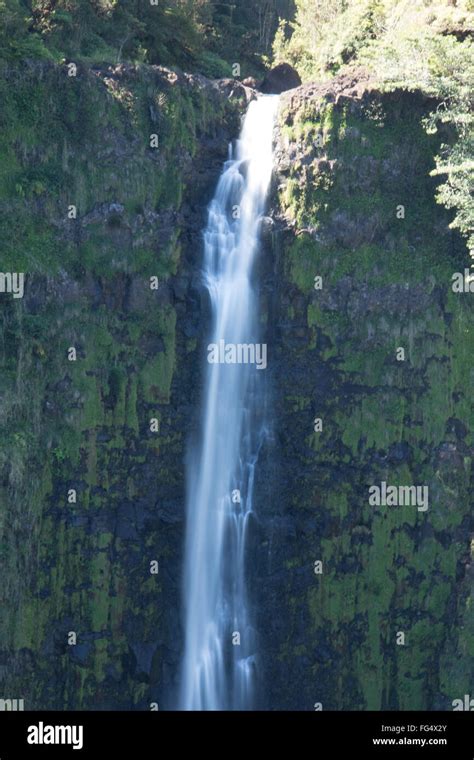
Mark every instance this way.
x=219 y=657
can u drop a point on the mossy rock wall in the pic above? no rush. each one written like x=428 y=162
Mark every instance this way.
x=80 y=563
x=348 y=160
x=354 y=205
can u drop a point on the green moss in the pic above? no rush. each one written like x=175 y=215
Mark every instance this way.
x=157 y=373
x=80 y=424
x=383 y=571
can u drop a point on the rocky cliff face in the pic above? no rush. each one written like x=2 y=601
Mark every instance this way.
x=106 y=177
x=362 y=606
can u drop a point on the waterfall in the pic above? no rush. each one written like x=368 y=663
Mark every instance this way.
x=219 y=662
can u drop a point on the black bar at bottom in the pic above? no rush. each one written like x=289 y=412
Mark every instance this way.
x=154 y=734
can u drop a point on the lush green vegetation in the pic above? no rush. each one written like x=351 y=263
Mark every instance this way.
x=194 y=34
x=422 y=45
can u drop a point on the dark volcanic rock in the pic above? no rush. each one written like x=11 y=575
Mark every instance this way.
x=346 y=155
x=280 y=79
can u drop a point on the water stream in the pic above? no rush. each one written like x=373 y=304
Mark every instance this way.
x=219 y=663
